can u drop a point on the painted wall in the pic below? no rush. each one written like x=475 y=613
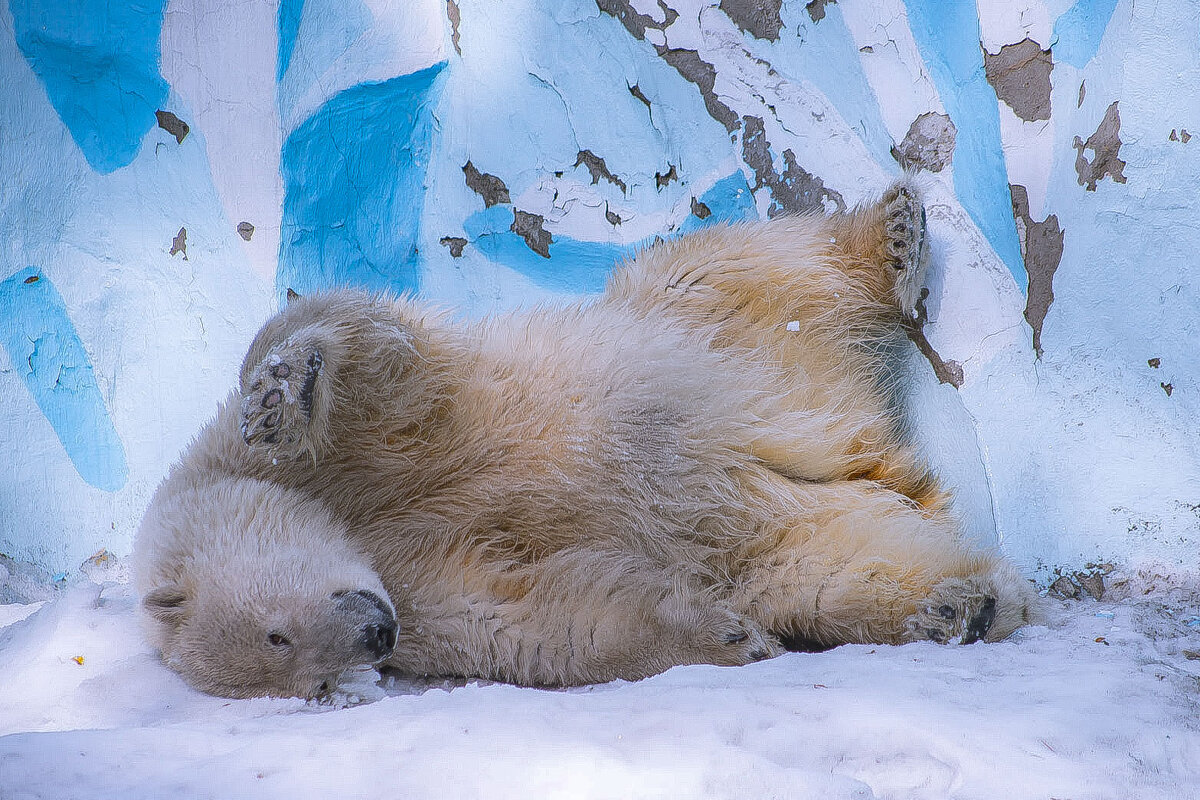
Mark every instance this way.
x=171 y=168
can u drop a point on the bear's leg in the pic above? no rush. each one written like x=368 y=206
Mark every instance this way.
x=286 y=397
x=851 y=562
x=578 y=617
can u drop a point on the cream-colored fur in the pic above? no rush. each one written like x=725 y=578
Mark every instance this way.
x=697 y=466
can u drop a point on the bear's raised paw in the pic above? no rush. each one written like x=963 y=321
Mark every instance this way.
x=905 y=244
x=277 y=410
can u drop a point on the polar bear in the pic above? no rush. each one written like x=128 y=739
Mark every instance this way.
x=702 y=465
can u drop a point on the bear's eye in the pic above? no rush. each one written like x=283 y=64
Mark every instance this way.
x=279 y=640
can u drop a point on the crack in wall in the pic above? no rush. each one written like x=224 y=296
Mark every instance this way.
x=1042 y=247
x=1020 y=74
x=1105 y=145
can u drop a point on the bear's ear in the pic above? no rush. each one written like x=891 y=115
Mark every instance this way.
x=167 y=604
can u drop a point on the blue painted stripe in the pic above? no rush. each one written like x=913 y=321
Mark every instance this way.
x=573 y=265
x=354 y=188
x=1080 y=29
x=46 y=351
x=582 y=267
x=947 y=34
x=99 y=63
x=290 y=13
x=729 y=200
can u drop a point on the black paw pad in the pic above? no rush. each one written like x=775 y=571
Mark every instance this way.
x=981 y=623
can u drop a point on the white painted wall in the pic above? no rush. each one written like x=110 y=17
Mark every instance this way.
x=1075 y=456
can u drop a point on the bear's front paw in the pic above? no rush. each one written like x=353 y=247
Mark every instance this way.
x=734 y=640
x=277 y=411
x=905 y=244
x=957 y=611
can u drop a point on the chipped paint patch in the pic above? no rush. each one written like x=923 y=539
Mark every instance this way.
x=245 y=230
x=179 y=243
x=929 y=143
x=489 y=187
x=1105 y=144
x=796 y=191
x=759 y=18
x=597 y=169
x=455 y=244
x=455 y=16
x=1043 y=250
x=46 y=351
x=172 y=125
x=816 y=9
x=694 y=69
x=1020 y=74
x=531 y=228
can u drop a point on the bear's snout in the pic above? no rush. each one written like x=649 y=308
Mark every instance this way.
x=373 y=618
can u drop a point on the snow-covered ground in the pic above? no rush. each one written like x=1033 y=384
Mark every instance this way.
x=1101 y=703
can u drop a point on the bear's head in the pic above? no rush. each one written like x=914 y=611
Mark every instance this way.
x=251 y=589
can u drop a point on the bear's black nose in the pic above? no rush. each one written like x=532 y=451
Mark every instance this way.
x=379 y=639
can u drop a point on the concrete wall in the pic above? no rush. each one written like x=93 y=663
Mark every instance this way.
x=171 y=168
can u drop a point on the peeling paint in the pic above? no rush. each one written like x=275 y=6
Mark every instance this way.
x=635 y=22
x=816 y=9
x=530 y=227
x=1020 y=74
x=597 y=168
x=455 y=245
x=759 y=18
x=613 y=217
x=1043 y=250
x=797 y=190
x=1082 y=94
x=698 y=71
x=489 y=187
x=661 y=179
x=179 y=243
x=455 y=17
x=1168 y=388
x=1105 y=145
x=929 y=143
x=245 y=230
x=700 y=210
x=1154 y=363
x=172 y=125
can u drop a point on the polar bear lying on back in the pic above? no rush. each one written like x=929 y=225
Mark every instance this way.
x=700 y=466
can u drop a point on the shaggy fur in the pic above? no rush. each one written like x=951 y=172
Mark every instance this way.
x=696 y=467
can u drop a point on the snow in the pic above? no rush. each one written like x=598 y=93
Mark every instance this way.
x=1099 y=703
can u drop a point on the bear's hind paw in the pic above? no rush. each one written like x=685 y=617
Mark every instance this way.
x=956 y=611
x=905 y=244
x=277 y=411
